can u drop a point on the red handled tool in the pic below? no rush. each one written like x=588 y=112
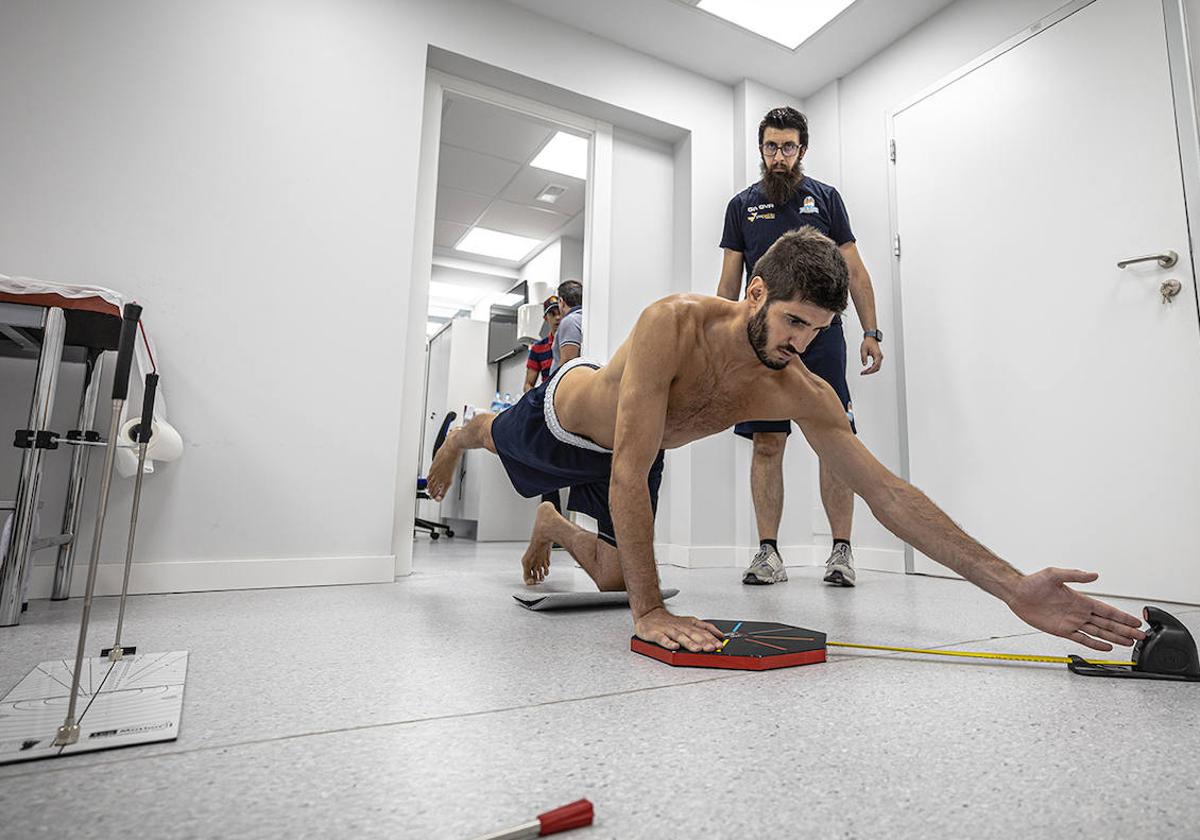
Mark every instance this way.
x=576 y=815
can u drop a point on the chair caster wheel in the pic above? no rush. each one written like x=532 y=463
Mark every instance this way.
x=449 y=533
x=434 y=536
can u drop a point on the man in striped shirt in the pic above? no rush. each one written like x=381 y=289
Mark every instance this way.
x=541 y=354
x=539 y=364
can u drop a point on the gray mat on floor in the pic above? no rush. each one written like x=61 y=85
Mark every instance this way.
x=543 y=600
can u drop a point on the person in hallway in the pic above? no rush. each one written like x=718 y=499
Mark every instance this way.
x=692 y=367
x=539 y=363
x=568 y=342
x=541 y=352
x=786 y=199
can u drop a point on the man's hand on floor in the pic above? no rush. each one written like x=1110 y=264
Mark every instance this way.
x=1044 y=601
x=671 y=631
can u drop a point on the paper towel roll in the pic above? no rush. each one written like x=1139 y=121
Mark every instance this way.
x=165 y=443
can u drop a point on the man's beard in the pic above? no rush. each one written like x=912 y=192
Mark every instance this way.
x=781 y=186
x=756 y=331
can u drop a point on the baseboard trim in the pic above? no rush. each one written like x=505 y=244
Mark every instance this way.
x=213 y=575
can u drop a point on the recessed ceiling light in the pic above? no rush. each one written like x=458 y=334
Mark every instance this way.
x=438 y=311
x=551 y=194
x=455 y=294
x=797 y=23
x=565 y=154
x=494 y=243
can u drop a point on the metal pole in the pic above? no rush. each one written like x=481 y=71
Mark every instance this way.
x=117 y=652
x=143 y=433
x=13 y=567
x=68 y=733
x=80 y=459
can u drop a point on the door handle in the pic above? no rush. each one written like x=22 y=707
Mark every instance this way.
x=1167 y=259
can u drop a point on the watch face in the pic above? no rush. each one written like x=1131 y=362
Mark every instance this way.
x=749 y=645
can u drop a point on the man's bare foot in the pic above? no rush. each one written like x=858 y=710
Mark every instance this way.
x=535 y=565
x=441 y=471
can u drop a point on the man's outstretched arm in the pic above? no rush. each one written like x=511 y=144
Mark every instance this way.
x=1042 y=600
x=641 y=418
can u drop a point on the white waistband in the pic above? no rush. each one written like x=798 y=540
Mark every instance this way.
x=552 y=423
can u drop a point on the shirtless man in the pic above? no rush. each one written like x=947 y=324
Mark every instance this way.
x=692 y=367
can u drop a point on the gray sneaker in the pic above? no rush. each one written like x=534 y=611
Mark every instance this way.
x=839 y=568
x=766 y=567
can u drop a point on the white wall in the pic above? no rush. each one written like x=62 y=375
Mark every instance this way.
x=572 y=258
x=848 y=148
x=249 y=171
x=543 y=272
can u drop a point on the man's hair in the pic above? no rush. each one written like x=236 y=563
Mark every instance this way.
x=805 y=265
x=571 y=293
x=782 y=119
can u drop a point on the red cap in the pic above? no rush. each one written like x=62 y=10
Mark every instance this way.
x=576 y=815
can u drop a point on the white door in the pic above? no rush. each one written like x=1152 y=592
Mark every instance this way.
x=1052 y=399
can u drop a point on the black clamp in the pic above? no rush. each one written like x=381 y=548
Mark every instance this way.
x=90 y=436
x=28 y=439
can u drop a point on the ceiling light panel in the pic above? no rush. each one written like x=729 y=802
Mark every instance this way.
x=565 y=154
x=437 y=311
x=494 y=243
x=796 y=24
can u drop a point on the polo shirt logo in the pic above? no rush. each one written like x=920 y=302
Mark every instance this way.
x=809 y=205
x=756 y=212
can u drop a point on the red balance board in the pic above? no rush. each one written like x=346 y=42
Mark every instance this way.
x=749 y=646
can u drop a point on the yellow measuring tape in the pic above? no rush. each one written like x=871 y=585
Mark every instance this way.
x=1011 y=657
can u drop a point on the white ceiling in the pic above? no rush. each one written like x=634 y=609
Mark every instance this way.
x=484 y=178
x=676 y=32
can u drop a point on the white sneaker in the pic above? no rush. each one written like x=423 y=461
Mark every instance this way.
x=839 y=568
x=766 y=567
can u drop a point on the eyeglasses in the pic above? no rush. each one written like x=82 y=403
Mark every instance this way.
x=789 y=149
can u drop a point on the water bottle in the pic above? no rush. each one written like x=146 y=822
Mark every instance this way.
x=497 y=405
x=508 y=403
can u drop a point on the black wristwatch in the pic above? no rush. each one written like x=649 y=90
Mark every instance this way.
x=875 y=334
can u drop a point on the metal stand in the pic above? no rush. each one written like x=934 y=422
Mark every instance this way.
x=80 y=458
x=128 y=697
x=13 y=567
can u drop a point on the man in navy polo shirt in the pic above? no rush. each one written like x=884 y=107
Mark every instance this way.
x=786 y=199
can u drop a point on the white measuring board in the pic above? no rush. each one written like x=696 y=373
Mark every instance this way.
x=135 y=700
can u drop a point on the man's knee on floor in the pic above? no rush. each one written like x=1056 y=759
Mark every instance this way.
x=769 y=445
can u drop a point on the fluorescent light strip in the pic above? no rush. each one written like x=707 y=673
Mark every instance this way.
x=789 y=24
x=495 y=243
x=566 y=154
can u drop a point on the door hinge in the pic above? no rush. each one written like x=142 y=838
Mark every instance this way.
x=896 y=246
x=892 y=150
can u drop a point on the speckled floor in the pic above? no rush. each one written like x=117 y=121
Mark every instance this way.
x=436 y=708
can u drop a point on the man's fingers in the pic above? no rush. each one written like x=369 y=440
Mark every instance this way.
x=711 y=628
x=1074 y=575
x=1093 y=629
x=1088 y=641
x=1111 y=613
x=663 y=640
x=692 y=642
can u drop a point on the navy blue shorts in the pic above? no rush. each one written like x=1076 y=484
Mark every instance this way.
x=826 y=357
x=537 y=462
